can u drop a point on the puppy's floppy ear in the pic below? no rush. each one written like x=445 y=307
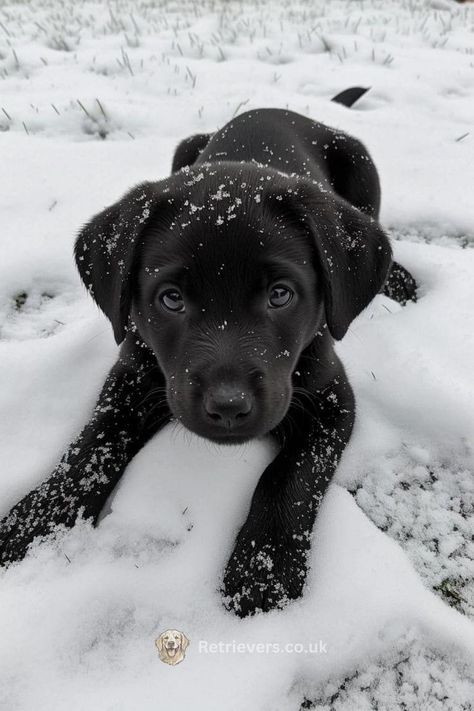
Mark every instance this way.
x=353 y=252
x=159 y=644
x=105 y=250
x=184 y=642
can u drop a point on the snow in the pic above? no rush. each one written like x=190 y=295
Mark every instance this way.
x=94 y=97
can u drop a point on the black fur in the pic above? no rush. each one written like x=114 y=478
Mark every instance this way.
x=272 y=206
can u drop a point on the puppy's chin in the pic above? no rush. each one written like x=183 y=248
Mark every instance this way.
x=225 y=437
x=230 y=439
x=220 y=435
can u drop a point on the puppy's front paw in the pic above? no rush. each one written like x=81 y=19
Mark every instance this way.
x=264 y=572
x=37 y=515
x=15 y=539
x=17 y=531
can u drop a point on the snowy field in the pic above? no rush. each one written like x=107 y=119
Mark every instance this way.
x=93 y=98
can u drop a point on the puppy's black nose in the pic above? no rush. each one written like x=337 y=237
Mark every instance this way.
x=227 y=404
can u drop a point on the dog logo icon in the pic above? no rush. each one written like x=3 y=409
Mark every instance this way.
x=171 y=646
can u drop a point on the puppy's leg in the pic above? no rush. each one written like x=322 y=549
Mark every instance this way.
x=130 y=409
x=188 y=150
x=400 y=285
x=268 y=565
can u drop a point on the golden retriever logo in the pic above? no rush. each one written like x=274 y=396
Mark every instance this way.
x=172 y=646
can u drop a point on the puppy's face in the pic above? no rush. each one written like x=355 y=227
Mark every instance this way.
x=227 y=296
x=229 y=271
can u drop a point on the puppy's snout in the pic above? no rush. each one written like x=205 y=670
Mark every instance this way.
x=228 y=404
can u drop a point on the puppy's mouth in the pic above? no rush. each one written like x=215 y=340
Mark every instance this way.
x=230 y=438
x=229 y=428
x=221 y=435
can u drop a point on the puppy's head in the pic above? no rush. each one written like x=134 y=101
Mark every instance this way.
x=229 y=272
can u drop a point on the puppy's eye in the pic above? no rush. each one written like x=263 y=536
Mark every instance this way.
x=172 y=300
x=279 y=296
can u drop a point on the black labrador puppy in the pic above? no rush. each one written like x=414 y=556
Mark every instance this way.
x=226 y=285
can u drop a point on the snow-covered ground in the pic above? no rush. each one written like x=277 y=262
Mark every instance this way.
x=93 y=98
